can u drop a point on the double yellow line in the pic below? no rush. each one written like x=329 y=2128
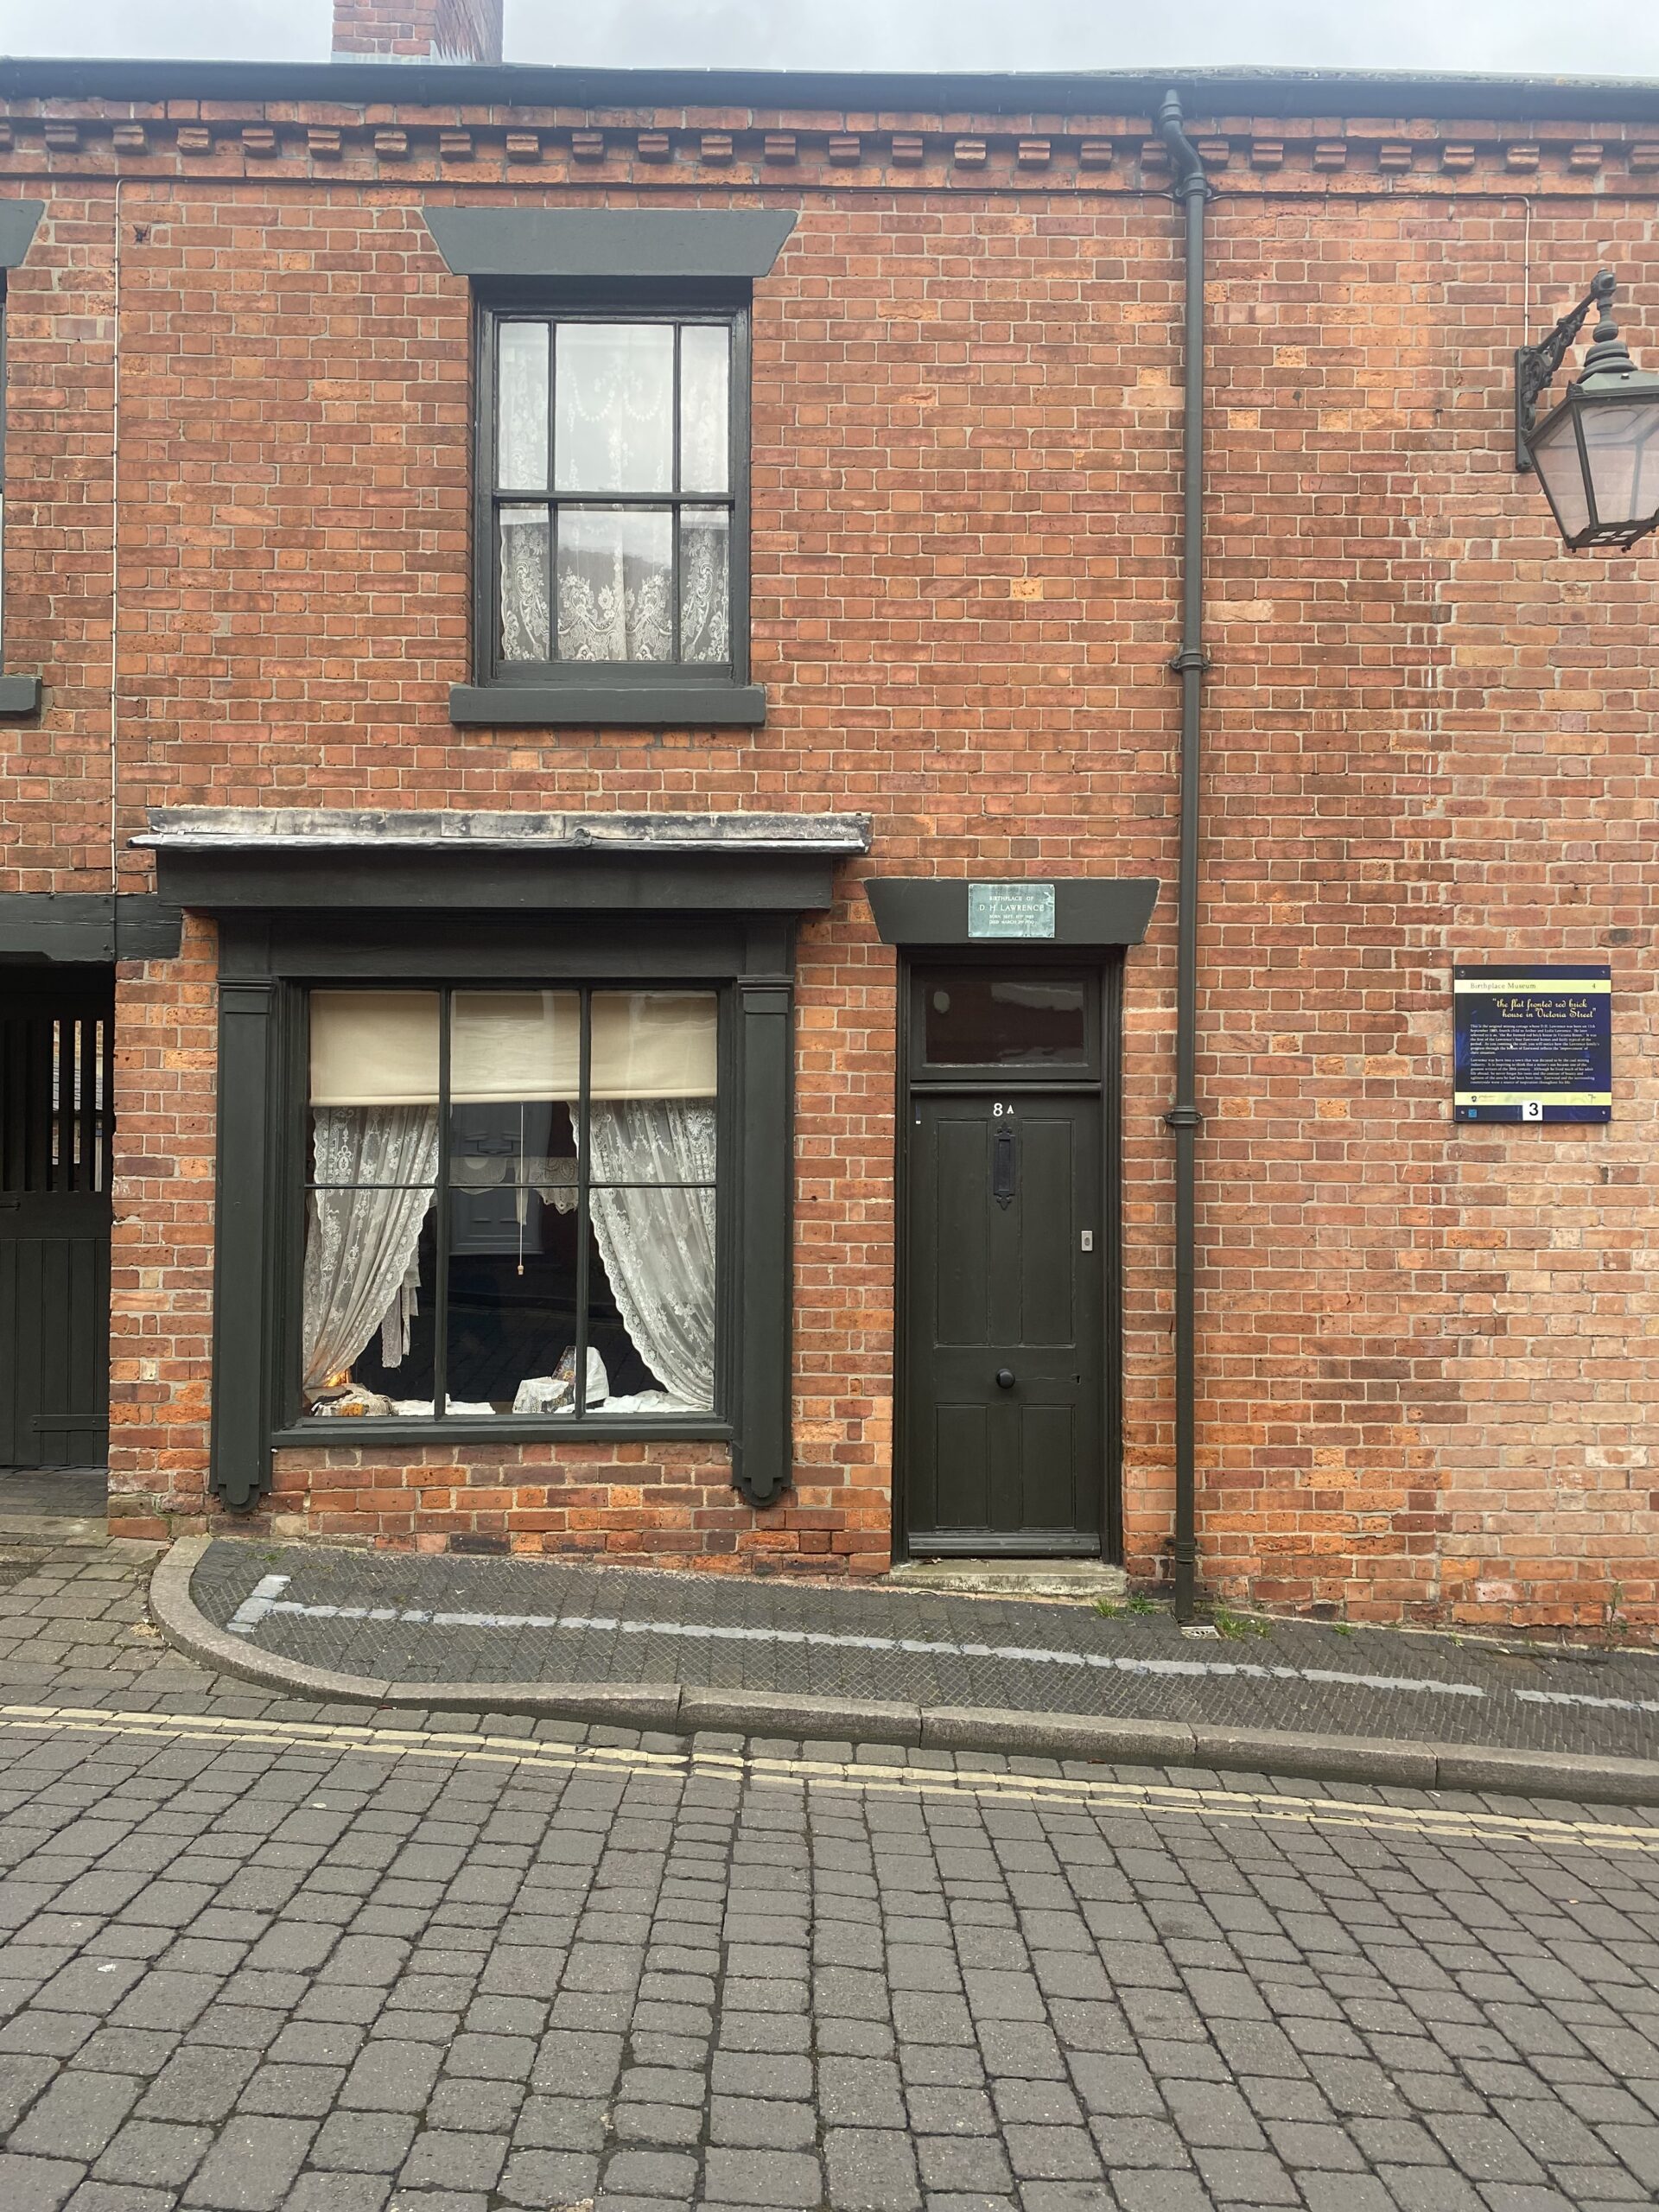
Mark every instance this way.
x=1442 y=1823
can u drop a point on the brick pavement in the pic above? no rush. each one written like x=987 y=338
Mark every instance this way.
x=245 y=1973
x=398 y=1617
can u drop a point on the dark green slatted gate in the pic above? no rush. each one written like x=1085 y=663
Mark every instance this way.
x=56 y=1065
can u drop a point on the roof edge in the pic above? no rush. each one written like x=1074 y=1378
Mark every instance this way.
x=1281 y=92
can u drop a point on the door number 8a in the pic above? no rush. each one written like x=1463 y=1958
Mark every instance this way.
x=999 y=1109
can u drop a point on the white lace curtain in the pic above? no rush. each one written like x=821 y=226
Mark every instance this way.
x=705 y=587
x=614 y=576
x=656 y=1237
x=361 y=1248
x=525 y=622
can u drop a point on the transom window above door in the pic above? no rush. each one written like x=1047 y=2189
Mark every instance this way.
x=615 y=520
x=511 y=1205
x=1011 y=1020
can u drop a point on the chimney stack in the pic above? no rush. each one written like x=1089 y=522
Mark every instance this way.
x=418 y=30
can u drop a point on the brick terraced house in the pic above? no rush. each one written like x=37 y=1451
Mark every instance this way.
x=590 y=827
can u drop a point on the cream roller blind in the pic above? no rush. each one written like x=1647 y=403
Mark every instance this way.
x=374 y=1048
x=380 y=1048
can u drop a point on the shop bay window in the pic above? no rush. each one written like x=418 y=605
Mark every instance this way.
x=510 y=1204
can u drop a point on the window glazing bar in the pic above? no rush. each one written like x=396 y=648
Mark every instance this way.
x=441 y=1304
x=579 y=1399
x=674 y=523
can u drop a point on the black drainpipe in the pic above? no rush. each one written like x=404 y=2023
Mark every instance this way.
x=1190 y=663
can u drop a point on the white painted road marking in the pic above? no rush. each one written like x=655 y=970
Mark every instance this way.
x=1429 y=1821
x=1583 y=1697
x=265 y=1599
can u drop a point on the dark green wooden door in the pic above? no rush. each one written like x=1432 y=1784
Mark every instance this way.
x=1004 y=1324
x=55 y=1067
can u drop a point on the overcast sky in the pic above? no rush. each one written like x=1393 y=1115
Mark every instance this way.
x=1610 y=38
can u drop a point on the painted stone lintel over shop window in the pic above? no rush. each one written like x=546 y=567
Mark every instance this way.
x=307 y=899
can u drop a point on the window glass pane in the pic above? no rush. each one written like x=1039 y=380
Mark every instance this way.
x=514 y=1044
x=524 y=624
x=977 y=1018
x=705 y=585
x=521 y=407
x=651 y=1138
x=512 y=1296
x=615 y=574
x=705 y=409
x=650 y=1305
x=614 y=407
x=514 y=1075
x=369 y=1301
x=652 y=1204
x=655 y=1044
x=369 y=1248
x=374 y=1048
x=530 y=1146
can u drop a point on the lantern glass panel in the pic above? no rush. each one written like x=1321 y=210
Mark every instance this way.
x=1621 y=444
x=1554 y=451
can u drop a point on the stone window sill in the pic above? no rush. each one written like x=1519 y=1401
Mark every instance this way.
x=665 y=704
x=314 y=1435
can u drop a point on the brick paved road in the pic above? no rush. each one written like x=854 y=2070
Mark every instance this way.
x=250 y=1966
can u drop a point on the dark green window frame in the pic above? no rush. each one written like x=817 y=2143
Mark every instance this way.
x=299 y=1428
x=268 y=963
x=19 y=695
x=3 y=468
x=602 y=694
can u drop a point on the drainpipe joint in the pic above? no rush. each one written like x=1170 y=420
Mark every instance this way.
x=1190 y=178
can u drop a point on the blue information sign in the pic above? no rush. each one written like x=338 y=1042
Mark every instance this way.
x=1533 y=1043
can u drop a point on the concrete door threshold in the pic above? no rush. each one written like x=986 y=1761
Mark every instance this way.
x=1085 y=1581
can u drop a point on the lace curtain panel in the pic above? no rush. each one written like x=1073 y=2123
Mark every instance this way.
x=614 y=429
x=361 y=1242
x=705 y=585
x=521 y=386
x=657 y=1238
x=525 y=629
x=615 y=577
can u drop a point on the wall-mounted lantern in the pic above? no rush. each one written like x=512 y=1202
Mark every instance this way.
x=1597 y=452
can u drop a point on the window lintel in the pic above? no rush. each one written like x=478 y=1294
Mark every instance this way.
x=601 y=243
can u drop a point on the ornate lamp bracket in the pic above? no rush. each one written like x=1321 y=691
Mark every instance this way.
x=1535 y=365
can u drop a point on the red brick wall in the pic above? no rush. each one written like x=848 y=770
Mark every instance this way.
x=1428 y=1380
x=418 y=30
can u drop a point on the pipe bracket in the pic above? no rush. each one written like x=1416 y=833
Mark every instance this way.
x=1189 y=656
x=1183 y=1117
